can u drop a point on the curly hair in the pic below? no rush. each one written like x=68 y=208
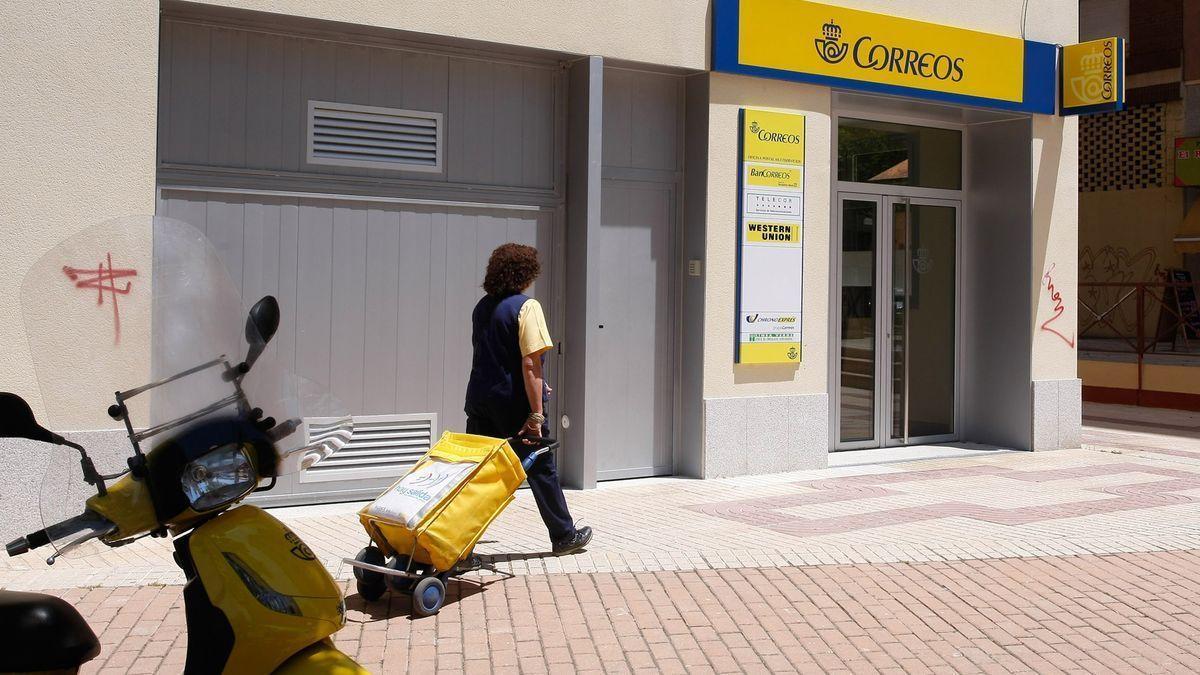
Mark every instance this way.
x=511 y=269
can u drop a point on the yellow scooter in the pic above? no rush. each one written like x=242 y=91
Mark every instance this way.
x=257 y=599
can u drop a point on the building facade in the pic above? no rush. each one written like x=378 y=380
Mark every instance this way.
x=925 y=275
x=1139 y=225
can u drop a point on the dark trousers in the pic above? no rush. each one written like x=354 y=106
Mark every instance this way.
x=542 y=476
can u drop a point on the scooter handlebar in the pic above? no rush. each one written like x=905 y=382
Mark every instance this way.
x=93 y=524
x=27 y=543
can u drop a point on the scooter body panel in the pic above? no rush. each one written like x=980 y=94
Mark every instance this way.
x=129 y=505
x=321 y=659
x=275 y=597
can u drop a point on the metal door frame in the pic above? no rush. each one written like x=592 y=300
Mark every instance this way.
x=884 y=318
x=883 y=423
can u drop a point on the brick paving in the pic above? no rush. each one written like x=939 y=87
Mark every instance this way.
x=1135 y=612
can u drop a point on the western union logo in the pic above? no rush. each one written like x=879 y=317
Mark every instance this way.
x=772 y=176
x=772 y=233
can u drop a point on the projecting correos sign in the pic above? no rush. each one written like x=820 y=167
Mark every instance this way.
x=1093 y=76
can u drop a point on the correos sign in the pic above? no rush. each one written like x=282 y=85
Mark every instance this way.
x=849 y=48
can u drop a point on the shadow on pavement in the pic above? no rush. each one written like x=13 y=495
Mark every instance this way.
x=394 y=604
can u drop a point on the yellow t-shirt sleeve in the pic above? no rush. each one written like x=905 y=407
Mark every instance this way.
x=531 y=329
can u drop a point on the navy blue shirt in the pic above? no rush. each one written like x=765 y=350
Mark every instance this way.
x=496 y=390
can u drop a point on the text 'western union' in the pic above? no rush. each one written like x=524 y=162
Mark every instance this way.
x=772 y=232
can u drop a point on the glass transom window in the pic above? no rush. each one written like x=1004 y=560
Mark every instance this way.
x=886 y=153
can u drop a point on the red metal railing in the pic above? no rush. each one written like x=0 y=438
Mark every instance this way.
x=1105 y=324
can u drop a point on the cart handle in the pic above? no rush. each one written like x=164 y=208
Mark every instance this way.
x=547 y=444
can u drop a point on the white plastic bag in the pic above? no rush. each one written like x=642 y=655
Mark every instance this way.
x=410 y=499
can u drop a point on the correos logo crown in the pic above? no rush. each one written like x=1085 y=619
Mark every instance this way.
x=1095 y=81
x=831 y=48
x=871 y=55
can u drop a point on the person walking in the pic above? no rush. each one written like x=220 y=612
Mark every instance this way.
x=507 y=393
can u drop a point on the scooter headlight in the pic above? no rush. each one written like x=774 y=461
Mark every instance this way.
x=218 y=478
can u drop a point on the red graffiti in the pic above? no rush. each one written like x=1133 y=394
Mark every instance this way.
x=1056 y=298
x=104 y=280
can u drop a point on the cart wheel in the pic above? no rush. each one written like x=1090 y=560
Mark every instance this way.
x=402 y=584
x=428 y=596
x=372 y=556
x=371 y=591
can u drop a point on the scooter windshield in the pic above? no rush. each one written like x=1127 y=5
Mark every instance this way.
x=148 y=307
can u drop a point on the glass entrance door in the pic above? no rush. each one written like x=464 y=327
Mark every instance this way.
x=897 y=337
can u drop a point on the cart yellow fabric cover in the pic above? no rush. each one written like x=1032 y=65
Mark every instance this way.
x=450 y=530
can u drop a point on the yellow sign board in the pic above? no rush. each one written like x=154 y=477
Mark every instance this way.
x=771 y=352
x=774 y=176
x=779 y=234
x=771 y=237
x=773 y=137
x=824 y=40
x=1093 y=76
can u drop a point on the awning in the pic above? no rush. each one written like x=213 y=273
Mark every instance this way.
x=1187 y=237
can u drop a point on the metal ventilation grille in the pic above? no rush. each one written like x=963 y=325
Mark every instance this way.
x=342 y=134
x=381 y=446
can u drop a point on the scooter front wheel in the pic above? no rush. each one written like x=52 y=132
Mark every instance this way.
x=428 y=596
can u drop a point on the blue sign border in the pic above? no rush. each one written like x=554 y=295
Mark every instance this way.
x=737 y=287
x=1038 y=96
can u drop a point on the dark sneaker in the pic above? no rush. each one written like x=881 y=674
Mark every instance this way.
x=574 y=543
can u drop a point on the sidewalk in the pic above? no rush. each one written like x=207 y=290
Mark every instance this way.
x=1128 y=490
x=1082 y=560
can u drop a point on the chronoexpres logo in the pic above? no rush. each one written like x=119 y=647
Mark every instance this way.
x=869 y=54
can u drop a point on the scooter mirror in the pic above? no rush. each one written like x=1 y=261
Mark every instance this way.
x=17 y=420
x=261 y=325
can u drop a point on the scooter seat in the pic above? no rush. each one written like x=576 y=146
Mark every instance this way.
x=42 y=632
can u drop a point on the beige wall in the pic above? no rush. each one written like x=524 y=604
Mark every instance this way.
x=667 y=32
x=1052 y=21
x=77 y=124
x=722 y=377
x=1055 y=157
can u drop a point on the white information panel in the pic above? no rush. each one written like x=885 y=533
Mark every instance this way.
x=770 y=237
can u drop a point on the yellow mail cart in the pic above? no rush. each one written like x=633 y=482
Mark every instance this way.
x=425 y=526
